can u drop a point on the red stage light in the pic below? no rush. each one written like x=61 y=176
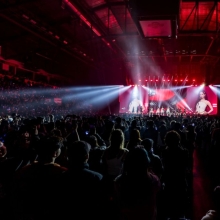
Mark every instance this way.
x=146 y=80
x=181 y=80
x=164 y=80
x=156 y=80
x=193 y=80
x=151 y=80
x=139 y=80
x=175 y=80
x=168 y=80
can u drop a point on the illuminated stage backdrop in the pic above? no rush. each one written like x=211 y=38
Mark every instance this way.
x=193 y=97
x=126 y=97
x=176 y=98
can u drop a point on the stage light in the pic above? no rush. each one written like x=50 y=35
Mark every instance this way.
x=181 y=80
x=164 y=80
x=193 y=80
x=151 y=80
x=175 y=80
x=146 y=80
x=156 y=80
x=139 y=80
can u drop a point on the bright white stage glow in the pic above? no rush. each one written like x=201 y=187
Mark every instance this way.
x=182 y=101
x=135 y=91
x=87 y=92
x=106 y=95
x=215 y=89
x=199 y=89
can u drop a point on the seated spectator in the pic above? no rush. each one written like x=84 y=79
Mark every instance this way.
x=156 y=165
x=80 y=188
x=215 y=213
x=136 y=189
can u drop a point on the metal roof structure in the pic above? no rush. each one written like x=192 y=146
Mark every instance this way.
x=113 y=41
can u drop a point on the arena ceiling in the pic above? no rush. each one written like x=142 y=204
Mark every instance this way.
x=113 y=41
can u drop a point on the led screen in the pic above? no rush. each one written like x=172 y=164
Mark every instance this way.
x=191 y=100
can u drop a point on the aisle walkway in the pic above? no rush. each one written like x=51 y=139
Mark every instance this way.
x=202 y=187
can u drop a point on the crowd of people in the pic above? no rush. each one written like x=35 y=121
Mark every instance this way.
x=22 y=96
x=121 y=167
x=108 y=167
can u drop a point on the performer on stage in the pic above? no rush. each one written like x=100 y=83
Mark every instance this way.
x=158 y=111
x=151 y=112
x=184 y=112
x=134 y=105
x=140 y=109
x=168 y=111
x=202 y=104
x=162 y=111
